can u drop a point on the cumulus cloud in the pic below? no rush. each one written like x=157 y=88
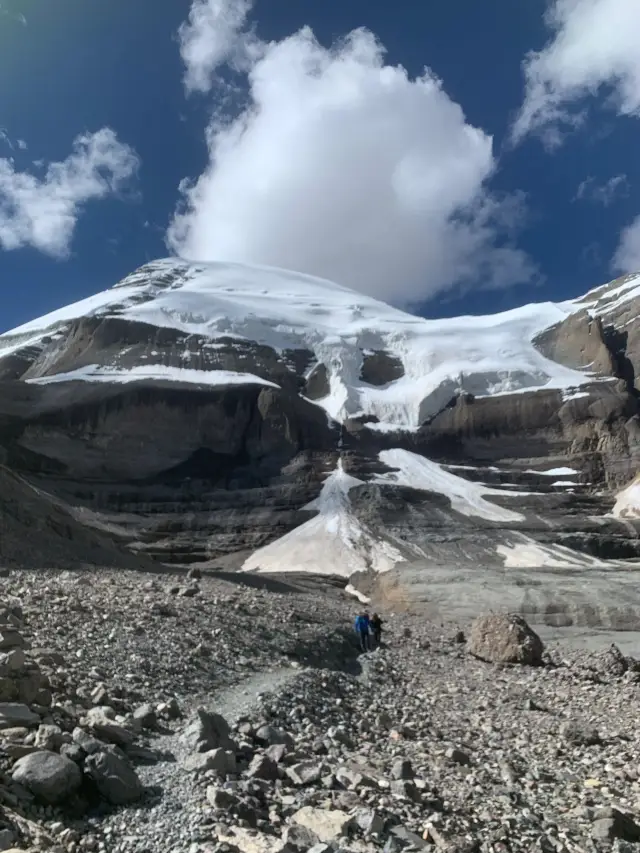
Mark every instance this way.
x=627 y=257
x=212 y=36
x=345 y=167
x=606 y=193
x=595 y=44
x=41 y=212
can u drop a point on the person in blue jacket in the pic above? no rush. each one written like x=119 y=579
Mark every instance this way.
x=362 y=630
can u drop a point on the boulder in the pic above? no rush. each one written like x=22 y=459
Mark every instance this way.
x=610 y=823
x=101 y=721
x=262 y=767
x=220 y=760
x=50 y=777
x=272 y=736
x=10 y=638
x=249 y=841
x=116 y=780
x=327 y=824
x=306 y=772
x=499 y=638
x=14 y=714
x=207 y=731
x=49 y=737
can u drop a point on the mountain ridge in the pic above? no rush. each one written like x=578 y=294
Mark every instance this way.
x=250 y=418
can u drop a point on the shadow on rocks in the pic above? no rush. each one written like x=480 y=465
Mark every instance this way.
x=338 y=651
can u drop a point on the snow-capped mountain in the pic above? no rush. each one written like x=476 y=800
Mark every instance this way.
x=375 y=360
x=261 y=419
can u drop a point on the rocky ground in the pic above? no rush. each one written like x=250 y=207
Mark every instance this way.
x=143 y=713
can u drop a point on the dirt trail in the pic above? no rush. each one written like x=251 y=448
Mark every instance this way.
x=181 y=798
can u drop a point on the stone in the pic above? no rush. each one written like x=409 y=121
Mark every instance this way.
x=15 y=714
x=610 y=823
x=408 y=838
x=116 y=781
x=10 y=638
x=7 y=839
x=580 y=735
x=272 y=736
x=220 y=799
x=49 y=737
x=457 y=756
x=402 y=769
x=276 y=753
x=87 y=742
x=220 y=760
x=74 y=752
x=404 y=789
x=12 y=661
x=100 y=720
x=207 y=731
x=249 y=841
x=499 y=638
x=306 y=773
x=299 y=837
x=262 y=767
x=146 y=716
x=50 y=777
x=369 y=821
x=327 y=824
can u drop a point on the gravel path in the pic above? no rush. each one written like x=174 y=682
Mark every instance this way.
x=177 y=819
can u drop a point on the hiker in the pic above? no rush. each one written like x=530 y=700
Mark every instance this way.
x=376 y=629
x=362 y=630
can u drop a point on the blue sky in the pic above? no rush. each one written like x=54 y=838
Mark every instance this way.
x=508 y=184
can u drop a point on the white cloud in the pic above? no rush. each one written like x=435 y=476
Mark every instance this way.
x=627 y=257
x=345 y=167
x=595 y=44
x=212 y=36
x=42 y=212
x=603 y=193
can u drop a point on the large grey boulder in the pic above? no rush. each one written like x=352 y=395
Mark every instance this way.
x=116 y=780
x=50 y=777
x=14 y=714
x=207 y=731
x=502 y=638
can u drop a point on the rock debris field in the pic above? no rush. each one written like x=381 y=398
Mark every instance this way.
x=143 y=713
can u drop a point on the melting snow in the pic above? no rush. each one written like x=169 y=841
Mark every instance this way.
x=97 y=373
x=332 y=543
x=554 y=472
x=529 y=554
x=627 y=504
x=466 y=497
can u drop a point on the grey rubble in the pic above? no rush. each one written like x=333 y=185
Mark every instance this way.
x=419 y=744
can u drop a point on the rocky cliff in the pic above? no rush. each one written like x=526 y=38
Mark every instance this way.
x=249 y=417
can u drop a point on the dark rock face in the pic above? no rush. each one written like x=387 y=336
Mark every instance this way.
x=190 y=473
x=579 y=342
x=379 y=368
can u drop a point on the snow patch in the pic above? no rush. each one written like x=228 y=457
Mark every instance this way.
x=332 y=543
x=362 y=598
x=627 y=503
x=98 y=373
x=554 y=472
x=466 y=497
x=529 y=554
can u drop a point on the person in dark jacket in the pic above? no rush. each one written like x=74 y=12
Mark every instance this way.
x=376 y=629
x=362 y=625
